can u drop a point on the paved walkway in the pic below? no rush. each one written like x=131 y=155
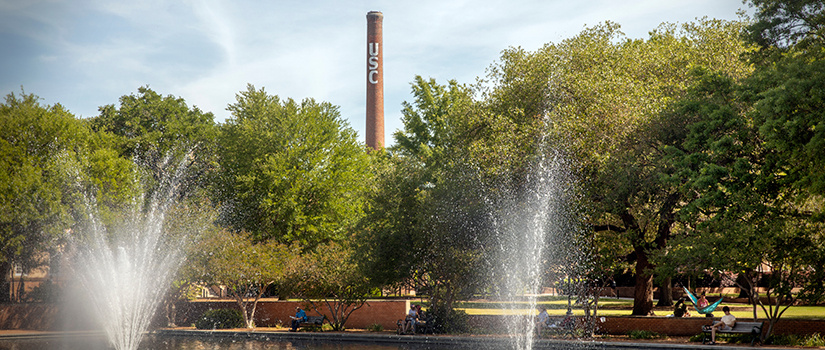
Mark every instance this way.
x=389 y=338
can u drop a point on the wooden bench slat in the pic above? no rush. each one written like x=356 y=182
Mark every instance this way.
x=313 y=321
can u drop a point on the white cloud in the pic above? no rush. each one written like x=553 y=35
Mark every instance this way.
x=207 y=51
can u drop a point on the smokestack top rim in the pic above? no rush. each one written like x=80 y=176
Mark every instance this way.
x=375 y=14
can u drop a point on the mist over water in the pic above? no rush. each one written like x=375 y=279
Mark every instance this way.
x=126 y=271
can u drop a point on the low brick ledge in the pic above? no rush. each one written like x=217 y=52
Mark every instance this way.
x=474 y=341
x=671 y=326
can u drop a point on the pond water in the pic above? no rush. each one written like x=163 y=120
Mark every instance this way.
x=194 y=343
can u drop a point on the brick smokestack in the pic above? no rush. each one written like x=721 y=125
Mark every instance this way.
x=375 y=80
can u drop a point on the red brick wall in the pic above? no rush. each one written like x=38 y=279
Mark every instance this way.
x=798 y=327
x=273 y=313
x=27 y=316
x=692 y=325
x=45 y=317
x=673 y=326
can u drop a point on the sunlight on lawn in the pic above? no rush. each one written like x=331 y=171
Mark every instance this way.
x=741 y=311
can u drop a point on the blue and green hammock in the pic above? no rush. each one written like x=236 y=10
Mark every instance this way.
x=704 y=310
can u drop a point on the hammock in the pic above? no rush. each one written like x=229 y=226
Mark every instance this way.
x=705 y=310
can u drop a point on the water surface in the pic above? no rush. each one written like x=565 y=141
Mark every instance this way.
x=194 y=343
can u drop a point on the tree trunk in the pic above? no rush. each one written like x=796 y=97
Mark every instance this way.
x=242 y=304
x=171 y=314
x=666 y=219
x=666 y=293
x=643 y=292
x=5 y=284
x=21 y=289
x=744 y=285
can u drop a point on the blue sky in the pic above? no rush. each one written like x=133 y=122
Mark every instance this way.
x=87 y=53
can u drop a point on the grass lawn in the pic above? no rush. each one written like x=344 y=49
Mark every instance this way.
x=622 y=307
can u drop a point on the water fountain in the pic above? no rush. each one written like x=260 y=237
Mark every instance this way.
x=126 y=272
x=536 y=217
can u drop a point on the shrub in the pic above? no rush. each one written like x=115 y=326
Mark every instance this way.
x=813 y=340
x=46 y=292
x=455 y=321
x=375 y=327
x=643 y=334
x=220 y=319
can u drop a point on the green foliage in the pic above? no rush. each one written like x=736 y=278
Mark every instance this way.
x=785 y=24
x=375 y=327
x=425 y=223
x=643 y=334
x=220 y=319
x=433 y=120
x=696 y=338
x=113 y=179
x=450 y=321
x=329 y=277
x=246 y=269
x=290 y=172
x=46 y=292
x=786 y=98
x=149 y=130
x=148 y=125
x=608 y=92
x=38 y=144
x=752 y=181
x=810 y=340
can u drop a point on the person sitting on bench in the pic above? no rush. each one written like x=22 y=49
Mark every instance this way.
x=543 y=321
x=410 y=320
x=727 y=322
x=300 y=316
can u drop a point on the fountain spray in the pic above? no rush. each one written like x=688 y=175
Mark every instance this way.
x=127 y=271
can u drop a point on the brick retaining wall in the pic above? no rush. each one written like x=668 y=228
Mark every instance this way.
x=673 y=326
x=271 y=313
x=686 y=326
x=46 y=317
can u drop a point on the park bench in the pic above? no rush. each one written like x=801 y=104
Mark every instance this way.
x=566 y=326
x=313 y=321
x=425 y=326
x=752 y=328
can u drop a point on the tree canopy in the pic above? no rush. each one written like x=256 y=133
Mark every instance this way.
x=289 y=171
x=37 y=142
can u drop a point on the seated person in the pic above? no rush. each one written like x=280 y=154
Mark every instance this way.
x=680 y=309
x=410 y=320
x=702 y=302
x=543 y=320
x=727 y=322
x=300 y=316
x=421 y=318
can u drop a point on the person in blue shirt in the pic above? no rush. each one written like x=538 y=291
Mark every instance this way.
x=300 y=316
